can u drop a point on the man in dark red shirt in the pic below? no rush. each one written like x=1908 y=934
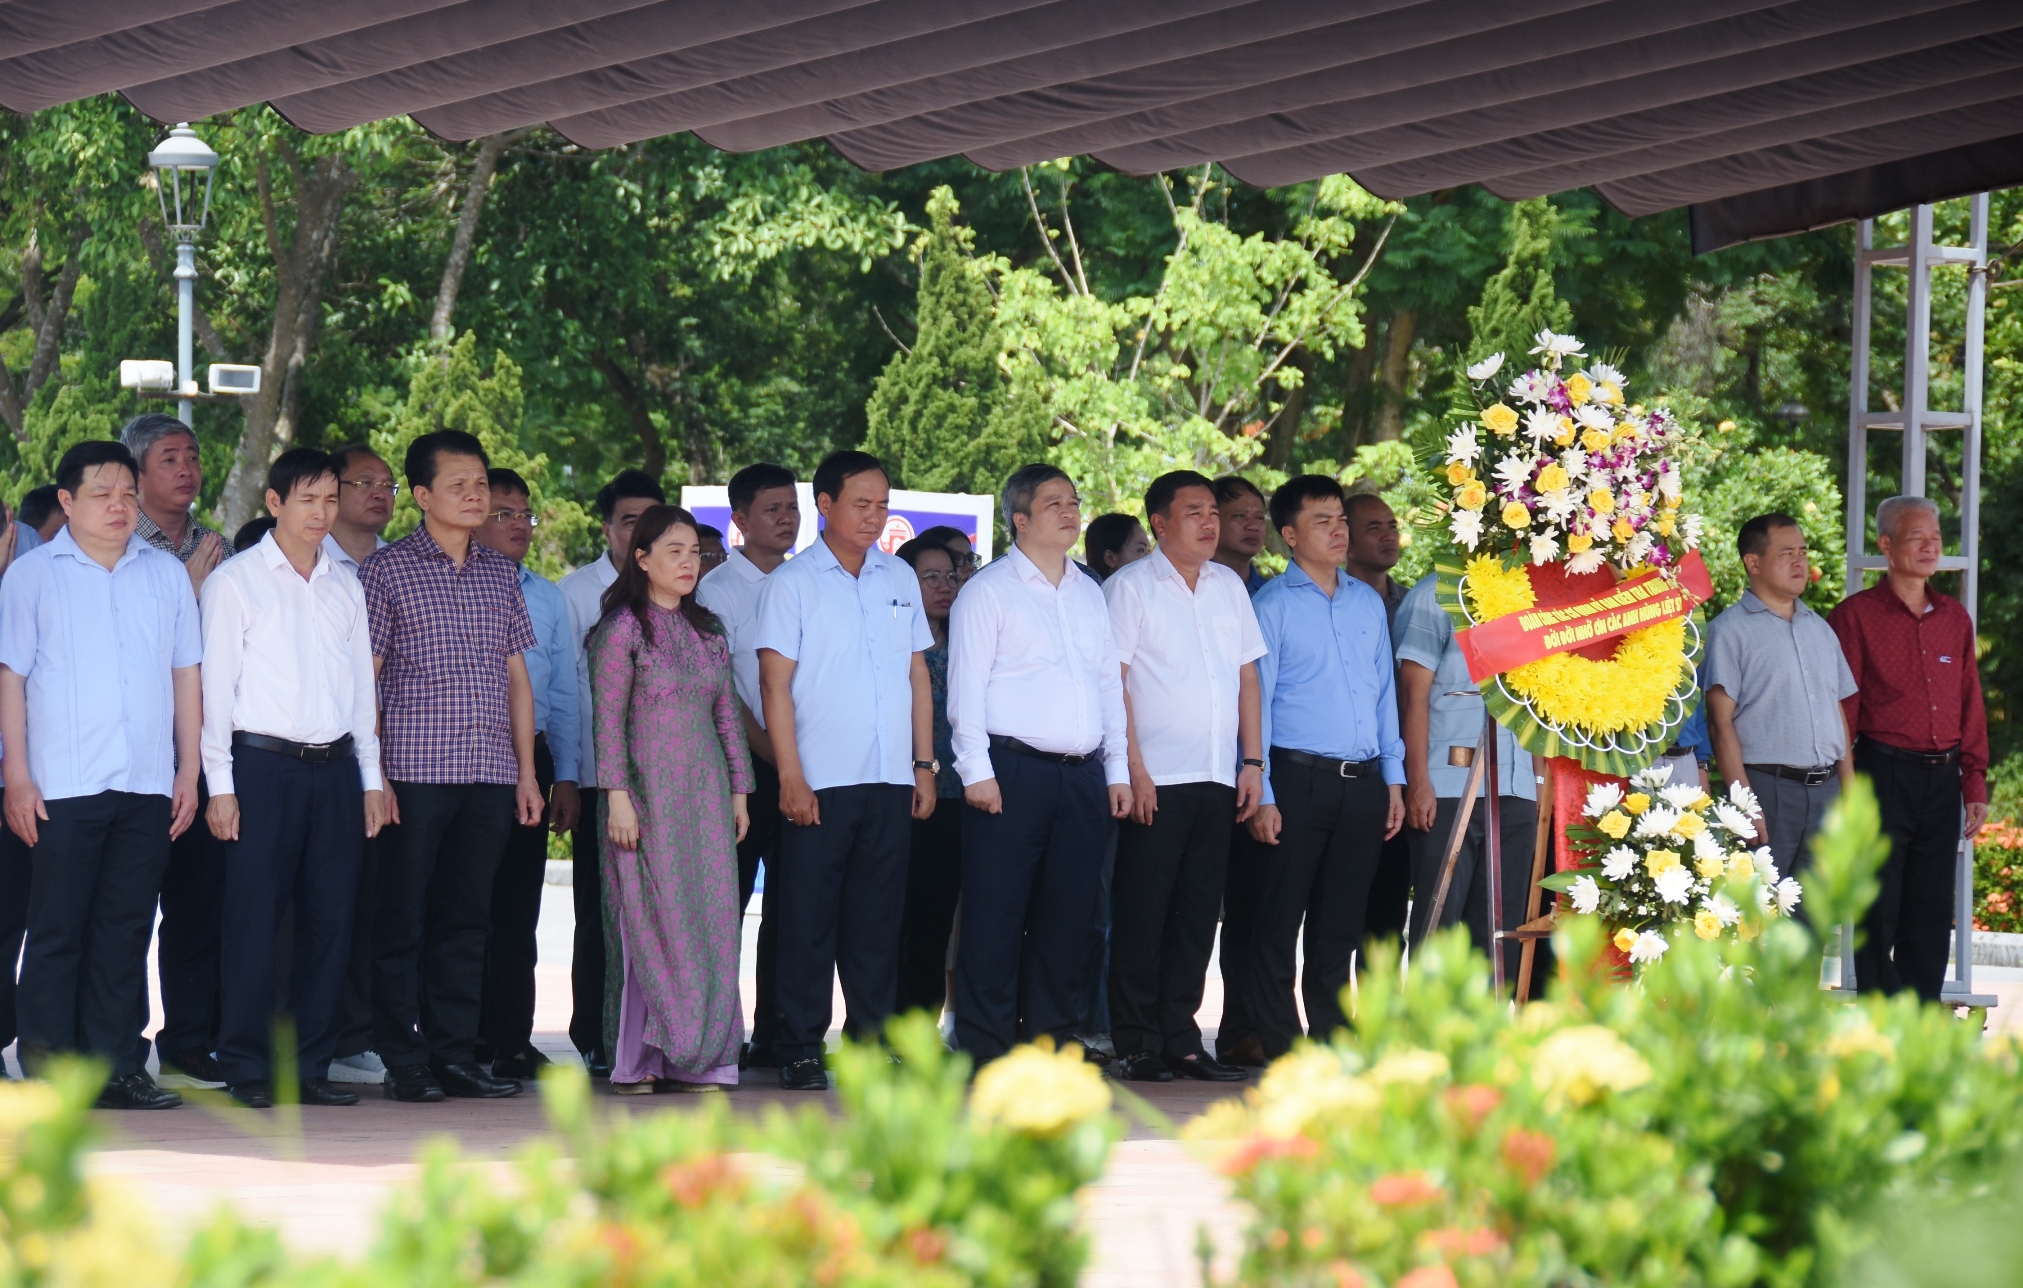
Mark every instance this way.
x=1922 y=736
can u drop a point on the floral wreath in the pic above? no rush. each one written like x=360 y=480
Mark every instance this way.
x=1578 y=472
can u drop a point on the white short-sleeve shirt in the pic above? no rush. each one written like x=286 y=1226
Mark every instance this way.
x=732 y=593
x=1184 y=652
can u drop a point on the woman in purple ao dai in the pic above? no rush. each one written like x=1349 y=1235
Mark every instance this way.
x=672 y=761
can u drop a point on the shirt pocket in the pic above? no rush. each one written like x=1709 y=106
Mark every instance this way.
x=1225 y=635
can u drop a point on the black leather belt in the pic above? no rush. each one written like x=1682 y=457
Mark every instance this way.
x=1810 y=777
x=1929 y=759
x=1342 y=768
x=1001 y=742
x=309 y=753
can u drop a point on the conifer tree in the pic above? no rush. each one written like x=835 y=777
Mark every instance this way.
x=1518 y=301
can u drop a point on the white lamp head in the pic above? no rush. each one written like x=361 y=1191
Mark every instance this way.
x=183 y=164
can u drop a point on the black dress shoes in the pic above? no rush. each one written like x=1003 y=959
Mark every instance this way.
x=252 y=1094
x=758 y=1055
x=1202 y=1068
x=187 y=1069
x=322 y=1091
x=412 y=1083
x=1248 y=1052
x=471 y=1081
x=596 y=1063
x=804 y=1075
x=1142 y=1066
x=136 y=1091
x=525 y=1067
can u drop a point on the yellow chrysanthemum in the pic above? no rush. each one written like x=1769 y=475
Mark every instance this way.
x=1459 y=473
x=1579 y=543
x=1637 y=802
x=1499 y=419
x=1516 y=516
x=1659 y=862
x=1615 y=824
x=1602 y=501
x=1706 y=925
x=1471 y=495
x=1578 y=389
x=1552 y=478
x=1595 y=440
x=1038 y=1092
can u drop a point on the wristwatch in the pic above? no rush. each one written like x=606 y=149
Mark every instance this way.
x=931 y=766
x=1252 y=760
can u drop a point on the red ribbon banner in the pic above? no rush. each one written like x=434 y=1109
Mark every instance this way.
x=1581 y=614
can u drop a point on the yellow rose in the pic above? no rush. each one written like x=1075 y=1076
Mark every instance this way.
x=1601 y=501
x=1516 y=516
x=1615 y=824
x=1689 y=826
x=1621 y=530
x=1700 y=802
x=1637 y=802
x=1708 y=866
x=1471 y=495
x=1459 y=473
x=1552 y=478
x=1625 y=939
x=1747 y=929
x=1661 y=861
x=1565 y=434
x=1499 y=419
x=1578 y=389
x=1595 y=439
x=1706 y=925
x=1742 y=867
x=1578 y=543
x=1664 y=526
x=1609 y=393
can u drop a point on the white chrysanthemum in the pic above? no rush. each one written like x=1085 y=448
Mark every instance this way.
x=1650 y=946
x=1589 y=416
x=1603 y=374
x=1766 y=898
x=1760 y=856
x=1541 y=423
x=1706 y=847
x=1690 y=533
x=1788 y=895
x=1619 y=863
x=1558 y=504
x=1601 y=798
x=1462 y=446
x=1574 y=461
x=1680 y=795
x=1586 y=895
x=1668 y=481
x=1466 y=525
x=1638 y=550
x=1544 y=549
x=1766 y=871
x=1724 y=908
x=1585 y=562
x=1674 y=885
x=1530 y=387
x=1658 y=820
x=1653 y=777
x=1733 y=821
x=1513 y=472
x=1555 y=347
x=1488 y=367
x=1744 y=799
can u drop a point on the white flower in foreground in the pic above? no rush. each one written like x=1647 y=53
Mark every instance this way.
x=1691 y=535
x=1530 y=387
x=1652 y=777
x=1657 y=821
x=1706 y=847
x=1650 y=946
x=1585 y=562
x=1603 y=374
x=1724 y=908
x=1766 y=869
x=1601 y=798
x=1466 y=525
x=1559 y=504
x=1589 y=416
x=1674 y=885
x=1556 y=346
x=1462 y=446
x=1513 y=472
x=1487 y=368
x=1760 y=858
x=1544 y=549
x=1619 y=863
x=1586 y=895
x=1788 y=895
x=1680 y=795
x=1574 y=461
x=1638 y=550
x=1541 y=423
x=1668 y=482
x=1744 y=799
x=1734 y=821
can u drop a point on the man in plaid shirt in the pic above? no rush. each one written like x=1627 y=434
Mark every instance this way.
x=449 y=627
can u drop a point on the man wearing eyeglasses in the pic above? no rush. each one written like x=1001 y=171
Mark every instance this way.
x=506 y=1011
x=366 y=491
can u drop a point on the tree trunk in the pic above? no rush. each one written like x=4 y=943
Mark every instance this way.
x=46 y=318
x=653 y=453
x=1285 y=433
x=1360 y=397
x=490 y=149
x=1392 y=376
x=299 y=269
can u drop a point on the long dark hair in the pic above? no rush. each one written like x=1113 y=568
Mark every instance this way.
x=634 y=591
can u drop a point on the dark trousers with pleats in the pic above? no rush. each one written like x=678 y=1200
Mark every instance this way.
x=1164 y=895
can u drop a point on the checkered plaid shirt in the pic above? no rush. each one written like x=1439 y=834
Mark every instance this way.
x=151 y=532
x=442 y=635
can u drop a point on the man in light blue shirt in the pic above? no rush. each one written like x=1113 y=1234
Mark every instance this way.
x=100 y=714
x=506 y=1009
x=843 y=680
x=1442 y=709
x=1334 y=776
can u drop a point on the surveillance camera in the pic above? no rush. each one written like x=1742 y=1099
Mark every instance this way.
x=143 y=373
x=233 y=379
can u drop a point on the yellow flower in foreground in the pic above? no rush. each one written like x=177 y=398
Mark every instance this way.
x=1307 y=1086
x=1709 y=866
x=1706 y=924
x=1459 y=473
x=1038 y=1092
x=1689 y=826
x=1578 y=543
x=1410 y=1066
x=1583 y=1062
x=1471 y=495
x=1614 y=824
x=1637 y=802
x=1621 y=530
x=1602 y=501
x=1552 y=478
x=1861 y=1038
x=1674 y=502
x=1741 y=866
x=1565 y=434
x=1625 y=939
x=1595 y=440
x=1516 y=516
x=1625 y=432
x=1499 y=419
x=1578 y=389
x=1609 y=393
x=1663 y=527
x=1659 y=861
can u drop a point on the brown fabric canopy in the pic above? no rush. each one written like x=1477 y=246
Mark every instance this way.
x=1765 y=118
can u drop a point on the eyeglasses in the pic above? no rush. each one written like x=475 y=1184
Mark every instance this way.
x=936 y=580
x=971 y=561
x=531 y=519
x=371 y=486
x=714 y=556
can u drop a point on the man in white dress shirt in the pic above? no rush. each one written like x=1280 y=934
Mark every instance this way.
x=1187 y=638
x=1036 y=703
x=842 y=633
x=594 y=986
x=292 y=758
x=766 y=507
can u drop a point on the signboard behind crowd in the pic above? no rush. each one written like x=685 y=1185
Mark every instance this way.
x=912 y=514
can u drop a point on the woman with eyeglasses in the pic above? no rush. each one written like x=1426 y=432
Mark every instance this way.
x=961 y=553
x=934 y=868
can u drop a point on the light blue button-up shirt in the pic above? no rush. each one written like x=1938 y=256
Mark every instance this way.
x=96 y=649
x=1424 y=633
x=852 y=641
x=1327 y=673
x=551 y=669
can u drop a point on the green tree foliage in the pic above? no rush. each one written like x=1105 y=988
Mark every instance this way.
x=1518 y=301
x=942 y=416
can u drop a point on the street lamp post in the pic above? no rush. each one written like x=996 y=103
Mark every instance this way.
x=181 y=162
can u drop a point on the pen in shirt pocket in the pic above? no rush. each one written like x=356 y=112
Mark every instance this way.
x=898 y=604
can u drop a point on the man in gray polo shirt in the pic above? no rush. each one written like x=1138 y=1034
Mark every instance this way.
x=1775 y=676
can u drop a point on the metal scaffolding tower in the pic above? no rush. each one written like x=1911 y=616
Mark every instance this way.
x=1917 y=422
